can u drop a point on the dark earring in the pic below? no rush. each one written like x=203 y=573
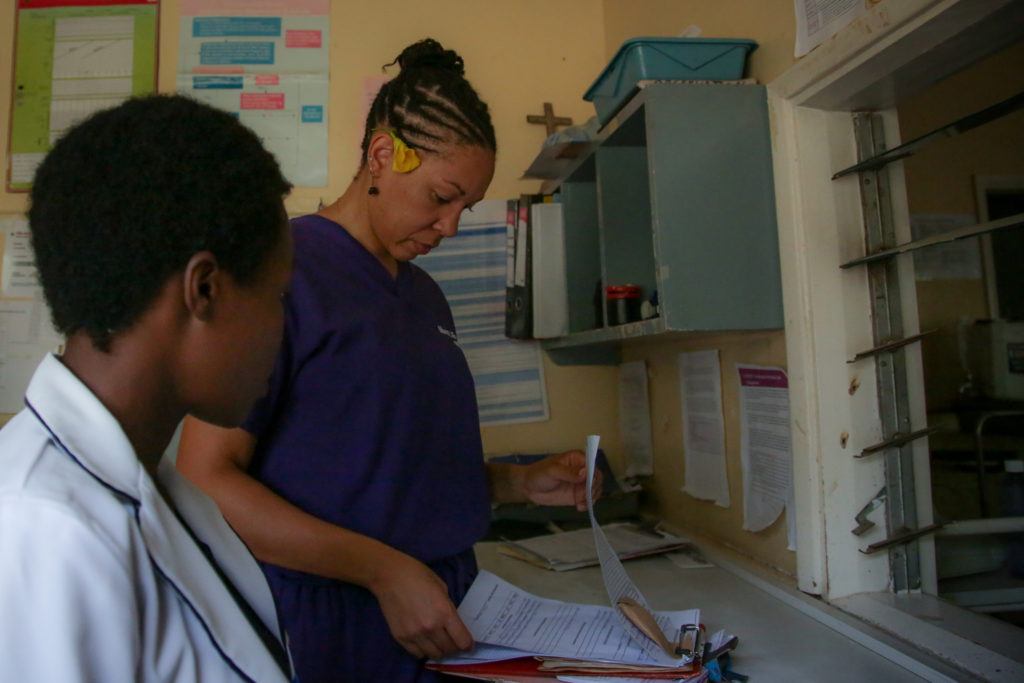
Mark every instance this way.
x=373 y=191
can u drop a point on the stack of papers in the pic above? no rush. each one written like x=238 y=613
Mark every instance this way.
x=575 y=549
x=519 y=633
x=522 y=637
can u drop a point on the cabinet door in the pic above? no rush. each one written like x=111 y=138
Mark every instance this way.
x=713 y=207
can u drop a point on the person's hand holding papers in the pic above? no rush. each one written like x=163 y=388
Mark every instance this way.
x=417 y=609
x=559 y=479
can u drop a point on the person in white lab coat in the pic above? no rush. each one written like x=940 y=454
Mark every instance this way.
x=163 y=252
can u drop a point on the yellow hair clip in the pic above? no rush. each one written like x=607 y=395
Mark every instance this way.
x=404 y=159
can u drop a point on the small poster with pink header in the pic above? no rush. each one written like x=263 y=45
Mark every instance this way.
x=765 y=451
x=266 y=61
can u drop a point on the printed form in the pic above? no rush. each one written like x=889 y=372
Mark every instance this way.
x=498 y=613
x=700 y=386
x=765 y=453
x=92 y=67
x=635 y=419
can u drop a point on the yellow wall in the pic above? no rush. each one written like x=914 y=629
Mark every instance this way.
x=940 y=179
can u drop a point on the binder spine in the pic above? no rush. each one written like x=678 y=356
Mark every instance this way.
x=511 y=218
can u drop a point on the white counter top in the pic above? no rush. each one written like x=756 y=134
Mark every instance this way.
x=778 y=641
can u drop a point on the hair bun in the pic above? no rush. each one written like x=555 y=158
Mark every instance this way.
x=430 y=54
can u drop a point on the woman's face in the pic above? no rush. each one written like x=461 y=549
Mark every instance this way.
x=415 y=211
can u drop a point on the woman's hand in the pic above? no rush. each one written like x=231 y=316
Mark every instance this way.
x=559 y=479
x=416 y=606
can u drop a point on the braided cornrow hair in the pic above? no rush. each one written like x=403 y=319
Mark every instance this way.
x=430 y=103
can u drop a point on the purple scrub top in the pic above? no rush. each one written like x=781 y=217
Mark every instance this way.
x=370 y=423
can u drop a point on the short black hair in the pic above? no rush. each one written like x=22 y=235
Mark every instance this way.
x=430 y=102
x=127 y=196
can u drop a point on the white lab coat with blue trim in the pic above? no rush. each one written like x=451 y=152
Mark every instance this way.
x=99 y=580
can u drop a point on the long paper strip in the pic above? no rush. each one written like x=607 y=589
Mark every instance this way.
x=616 y=580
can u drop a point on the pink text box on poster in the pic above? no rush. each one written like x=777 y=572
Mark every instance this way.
x=268 y=79
x=302 y=38
x=263 y=100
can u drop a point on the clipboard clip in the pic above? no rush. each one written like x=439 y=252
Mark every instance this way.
x=640 y=617
x=690 y=640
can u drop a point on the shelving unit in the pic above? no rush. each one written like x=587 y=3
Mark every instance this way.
x=676 y=196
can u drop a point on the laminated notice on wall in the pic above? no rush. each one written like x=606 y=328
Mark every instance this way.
x=266 y=62
x=26 y=334
x=700 y=387
x=635 y=419
x=819 y=20
x=470 y=269
x=72 y=59
x=765 y=444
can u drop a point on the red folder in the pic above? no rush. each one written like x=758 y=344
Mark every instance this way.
x=527 y=670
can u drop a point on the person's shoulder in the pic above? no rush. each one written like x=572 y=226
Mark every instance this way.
x=23 y=446
x=321 y=248
x=42 y=488
x=307 y=230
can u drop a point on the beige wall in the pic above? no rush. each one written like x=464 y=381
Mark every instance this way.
x=940 y=179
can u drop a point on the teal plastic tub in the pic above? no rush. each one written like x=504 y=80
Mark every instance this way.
x=715 y=59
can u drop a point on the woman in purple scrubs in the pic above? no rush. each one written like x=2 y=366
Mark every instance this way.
x=359 y=480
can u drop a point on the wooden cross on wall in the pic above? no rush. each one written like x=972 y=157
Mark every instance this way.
x=550 y=121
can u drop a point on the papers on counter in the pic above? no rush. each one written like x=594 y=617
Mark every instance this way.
x=575 y=549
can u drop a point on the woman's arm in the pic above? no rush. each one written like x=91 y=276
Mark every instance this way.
x=413 y=598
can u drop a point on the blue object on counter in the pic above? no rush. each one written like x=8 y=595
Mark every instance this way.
x=716 y=59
